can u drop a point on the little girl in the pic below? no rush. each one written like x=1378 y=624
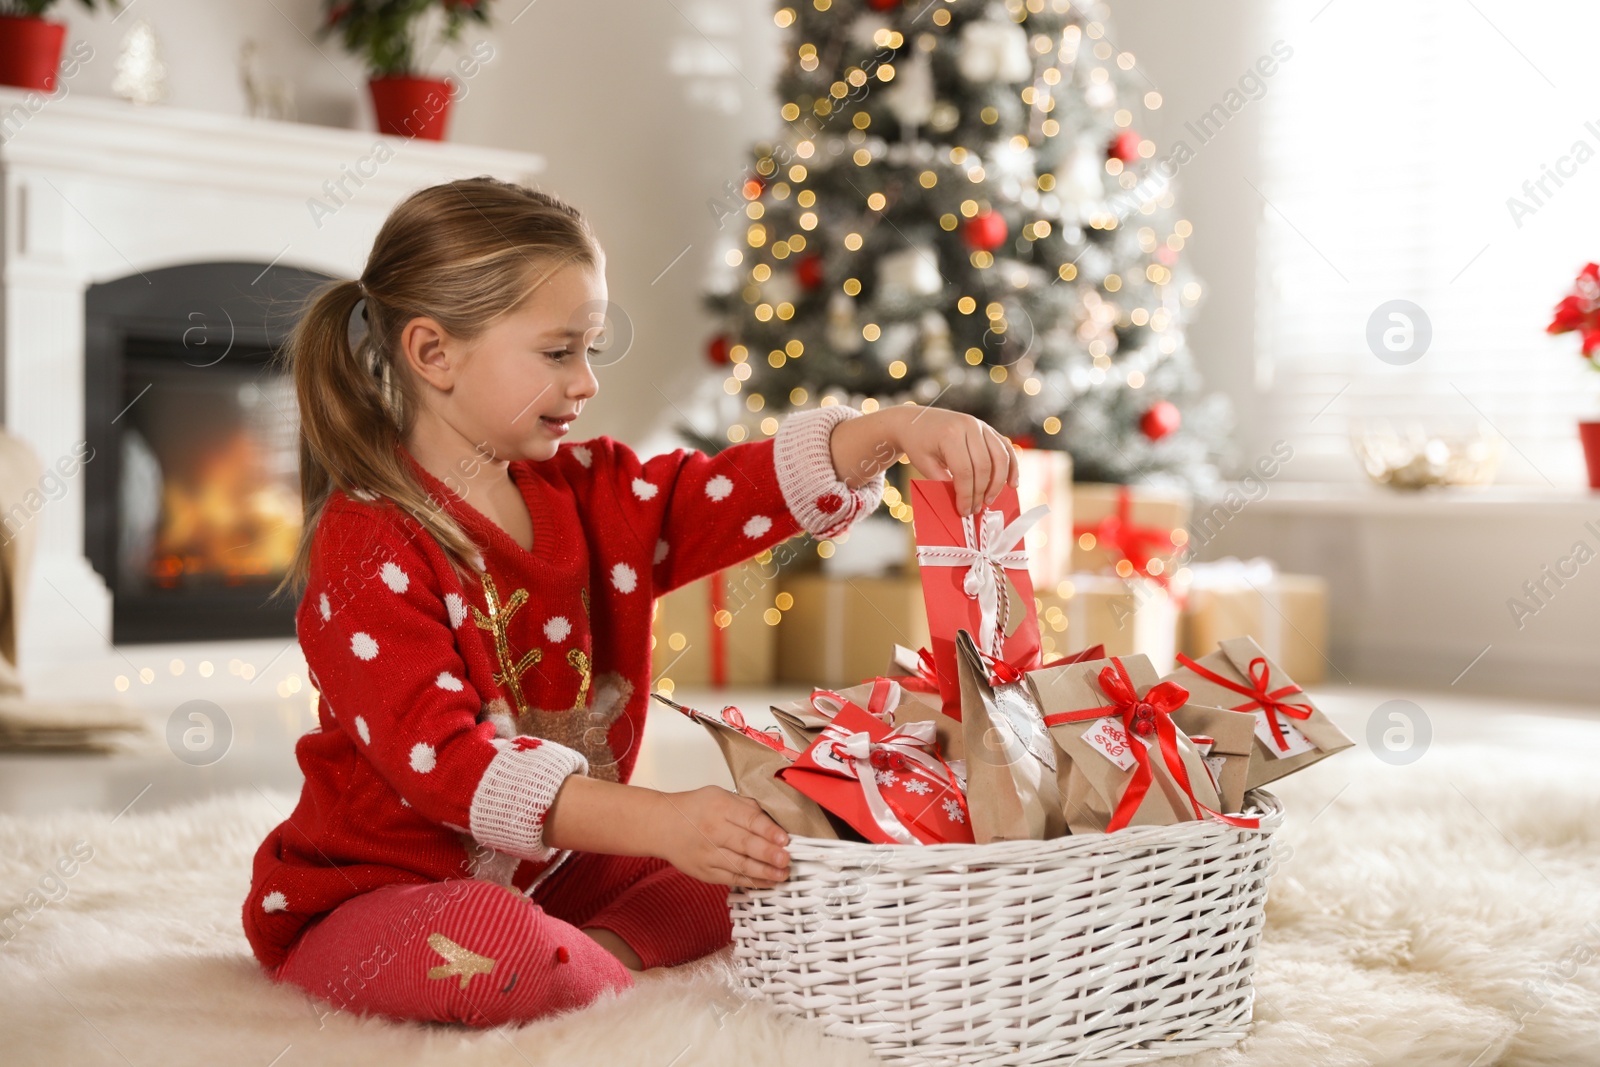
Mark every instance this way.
x=475 y=608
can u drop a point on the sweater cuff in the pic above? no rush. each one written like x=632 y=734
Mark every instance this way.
x=517 y=788
x=819 y=500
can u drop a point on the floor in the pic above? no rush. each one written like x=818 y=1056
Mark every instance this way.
x=252 y=741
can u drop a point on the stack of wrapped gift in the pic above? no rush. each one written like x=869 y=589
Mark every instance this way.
x=976 y=738
x=1120 y=591
x=718 y=631
x=1287 y=614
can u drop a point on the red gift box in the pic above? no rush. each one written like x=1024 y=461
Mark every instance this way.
x=975 y=578
x=888 y=784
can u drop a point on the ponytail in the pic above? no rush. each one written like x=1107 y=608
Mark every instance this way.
x=349 y=403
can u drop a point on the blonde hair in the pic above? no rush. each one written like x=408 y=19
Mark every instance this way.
x=463 y=253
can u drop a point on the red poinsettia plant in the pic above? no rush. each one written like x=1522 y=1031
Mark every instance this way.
x=1579 y=311
x=384 y=32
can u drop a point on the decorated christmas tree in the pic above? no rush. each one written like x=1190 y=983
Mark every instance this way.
x=962 y=211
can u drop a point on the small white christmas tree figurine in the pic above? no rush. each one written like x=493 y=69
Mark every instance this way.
x=140 y=74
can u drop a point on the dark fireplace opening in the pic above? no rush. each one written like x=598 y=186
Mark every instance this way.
x=192 y=509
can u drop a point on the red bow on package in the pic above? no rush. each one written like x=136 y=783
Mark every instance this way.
x=1143 y=718
x=888 y=784
x=1119 y=535
x=1270 y=701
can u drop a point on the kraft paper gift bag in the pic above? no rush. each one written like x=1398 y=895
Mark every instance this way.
x=1291 y=732
x=754 y=758
x=1011 y=762
x=1126 y=761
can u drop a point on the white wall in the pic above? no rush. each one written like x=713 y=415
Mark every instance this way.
x=643 y=111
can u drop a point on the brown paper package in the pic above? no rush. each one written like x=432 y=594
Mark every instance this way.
x=754 y=767
x=1234 y=734
x=1011 y=794
x=1232 y=661
x=1092 y=785
x=683 y=625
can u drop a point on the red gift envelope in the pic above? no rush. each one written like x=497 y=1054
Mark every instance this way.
x=975 y=578
x=886 y=783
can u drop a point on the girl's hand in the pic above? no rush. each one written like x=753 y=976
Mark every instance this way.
x=723 y=838
x=940 y=443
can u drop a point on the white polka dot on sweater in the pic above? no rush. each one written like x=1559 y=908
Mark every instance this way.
x=395 y=578
x=644 y=490
x=423 y=757
x=325 y=607
x=758 y=525
x=404 y=803
x=274 y=901
x=624 y=578
x=661 y=551
x=457 y=609
x=582 y=455
x=361 y=728
x=362 y=644
x=446 y=680
x=719 y=487
x=557 y=629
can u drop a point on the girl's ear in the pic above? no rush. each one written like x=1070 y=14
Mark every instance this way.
x=428 y=351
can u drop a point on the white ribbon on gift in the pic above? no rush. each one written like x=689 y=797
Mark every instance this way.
x=854 y=754
x=991 y=549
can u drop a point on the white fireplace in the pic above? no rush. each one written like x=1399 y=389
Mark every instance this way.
x=98 y=190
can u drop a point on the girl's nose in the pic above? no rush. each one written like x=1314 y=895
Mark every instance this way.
x=584 y=384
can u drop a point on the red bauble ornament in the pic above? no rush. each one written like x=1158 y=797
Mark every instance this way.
x=717 y=349
x=808 y=272
x=883 y=5
x=1162 y=418
x=985 y=231
x=1124 y=146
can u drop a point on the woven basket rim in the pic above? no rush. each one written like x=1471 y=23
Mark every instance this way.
x=1189 y=834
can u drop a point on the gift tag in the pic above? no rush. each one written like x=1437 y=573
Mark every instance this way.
x=1296 y=741
x=1214 y=764
x=1108 y=738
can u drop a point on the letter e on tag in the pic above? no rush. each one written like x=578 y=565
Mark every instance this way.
x=1297 y=741
x=1109 y=739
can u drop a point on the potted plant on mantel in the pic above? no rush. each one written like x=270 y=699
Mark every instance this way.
x=30 y=45
x=384 y=33
x=1579 y=312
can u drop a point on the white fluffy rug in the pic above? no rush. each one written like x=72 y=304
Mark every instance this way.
x=1446 y=913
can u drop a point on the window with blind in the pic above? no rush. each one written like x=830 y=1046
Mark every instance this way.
x=1445 y=153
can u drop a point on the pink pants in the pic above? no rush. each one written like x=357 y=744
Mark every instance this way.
x=475 y=952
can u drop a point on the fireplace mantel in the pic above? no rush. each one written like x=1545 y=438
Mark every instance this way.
x=98 y=189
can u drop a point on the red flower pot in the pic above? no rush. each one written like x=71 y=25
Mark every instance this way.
x=411 y=107
x=1589 y=434
x=30 y=51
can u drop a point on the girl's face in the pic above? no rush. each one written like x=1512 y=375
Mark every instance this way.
x=513 y=391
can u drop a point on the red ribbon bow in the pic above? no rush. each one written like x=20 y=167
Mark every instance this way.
x=1141 y=718
x=1118 y=534
x=1001 y=672
x=733 y=717
x=1271 y=702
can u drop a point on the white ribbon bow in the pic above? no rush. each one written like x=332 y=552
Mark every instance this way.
x=854 y=751
x=990 y=550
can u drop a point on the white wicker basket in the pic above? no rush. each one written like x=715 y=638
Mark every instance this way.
x=1108 y=949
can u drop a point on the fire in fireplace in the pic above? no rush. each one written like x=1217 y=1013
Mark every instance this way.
x=193 y=504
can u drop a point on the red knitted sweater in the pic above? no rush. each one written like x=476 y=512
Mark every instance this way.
x=450 y=712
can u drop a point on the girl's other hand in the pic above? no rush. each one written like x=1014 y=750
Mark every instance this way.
x=722 y=838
